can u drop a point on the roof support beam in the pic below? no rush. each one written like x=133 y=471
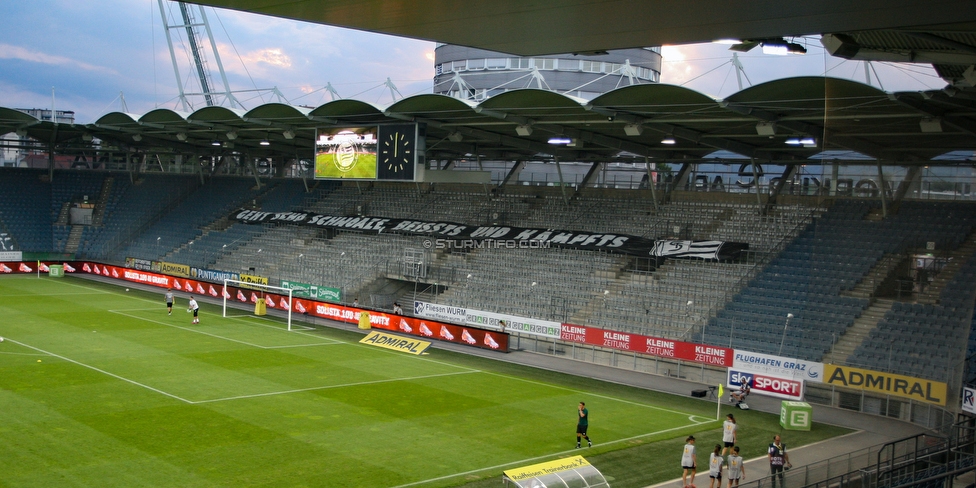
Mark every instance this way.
x=681 y=132
x=874 y=150
x=591 y=176
x=513 y=173
x=516 y=142
x=927 y=108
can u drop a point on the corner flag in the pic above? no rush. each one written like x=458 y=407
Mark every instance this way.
x=718 y=407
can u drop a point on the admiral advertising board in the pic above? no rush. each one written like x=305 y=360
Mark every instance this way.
x=919 y=389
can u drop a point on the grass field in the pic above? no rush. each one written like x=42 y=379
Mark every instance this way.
x=100 y=387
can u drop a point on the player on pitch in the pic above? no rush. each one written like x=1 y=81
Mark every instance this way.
x=169 y=301
x=582 y=424
x=195 y=309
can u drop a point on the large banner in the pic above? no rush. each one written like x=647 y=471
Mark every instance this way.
x=969 y=400
x=652 y=346
x=777 y=366
x=436 y=311
x=258 y=280
x=141 y=264
x=213 y=276
x=315 y=292
x=765 y=384
x=918 y=389
x=508 y=237
x=470 y=336
x=488 y=320
x=173 y=269
x=8 y=256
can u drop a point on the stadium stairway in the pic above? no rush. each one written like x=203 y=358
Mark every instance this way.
x=855 y=334
x=875 y=277
x=957 y=258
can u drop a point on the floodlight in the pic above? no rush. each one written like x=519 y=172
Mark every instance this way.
x=931 y=125
x=794 y=48
x=559 y=141
x=265 y=142
x=775 y=47
x=137 y=137
x=289 y=134
x=668 y=140
x=766 y=128
x=231 y=135
x=216 y=143
x=181 y=136
x=455 y=137
x=633 y=129
x=523 y=130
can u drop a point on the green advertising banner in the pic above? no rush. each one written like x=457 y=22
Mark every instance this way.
x=314 y=292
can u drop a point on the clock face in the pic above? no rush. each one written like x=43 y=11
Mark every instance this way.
x=396 y=152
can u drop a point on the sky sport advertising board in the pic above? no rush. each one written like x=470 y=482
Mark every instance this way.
x=787 y=388
x=405 y=325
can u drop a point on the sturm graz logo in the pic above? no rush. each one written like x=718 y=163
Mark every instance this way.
x=418 y=307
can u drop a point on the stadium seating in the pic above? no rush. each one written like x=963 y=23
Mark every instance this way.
x=832 y=256
x=25 y=209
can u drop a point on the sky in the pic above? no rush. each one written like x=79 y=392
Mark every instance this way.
x=100 y=56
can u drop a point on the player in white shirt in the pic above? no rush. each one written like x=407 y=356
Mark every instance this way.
x=195 y=309
x=729 y=430
x=715 y=462
x=737 y=470
x=688 y=461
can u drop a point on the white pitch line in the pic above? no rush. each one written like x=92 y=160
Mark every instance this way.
x=21 y=353
x=329 y=387
x=537 y=458
x=127 y=380
x=630 y=402
x=49 y=294
x=189 y=329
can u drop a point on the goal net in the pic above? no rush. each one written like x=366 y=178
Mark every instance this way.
x=275 y=297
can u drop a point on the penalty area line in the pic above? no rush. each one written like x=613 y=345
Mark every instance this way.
x=544 y=456
x=93 y=368
x=215 y=336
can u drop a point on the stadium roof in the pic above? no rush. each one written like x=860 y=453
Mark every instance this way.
x=937 y=32
x=586 y=26
x=840 y=115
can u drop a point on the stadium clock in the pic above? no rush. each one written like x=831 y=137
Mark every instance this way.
x=397 y=152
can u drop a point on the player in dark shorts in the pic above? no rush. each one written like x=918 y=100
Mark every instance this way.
x=169 y=301
x=582 y=424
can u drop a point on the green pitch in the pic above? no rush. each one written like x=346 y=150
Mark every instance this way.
x=100 y=387
x=364 y=169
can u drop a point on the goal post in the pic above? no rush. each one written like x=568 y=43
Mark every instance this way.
x=245 y=288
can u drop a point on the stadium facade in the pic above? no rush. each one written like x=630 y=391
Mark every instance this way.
x=476 y=74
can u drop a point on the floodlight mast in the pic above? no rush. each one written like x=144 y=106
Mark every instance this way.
x=190 y=24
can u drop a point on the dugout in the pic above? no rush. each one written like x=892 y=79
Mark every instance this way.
x=563 y=473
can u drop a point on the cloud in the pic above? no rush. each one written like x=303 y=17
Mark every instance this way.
x=8 y=51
